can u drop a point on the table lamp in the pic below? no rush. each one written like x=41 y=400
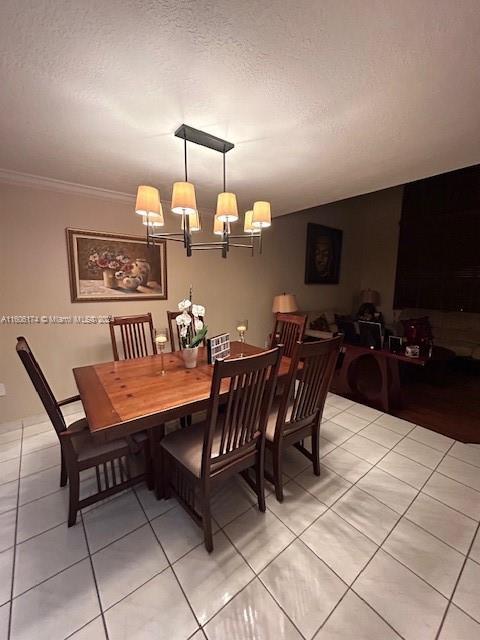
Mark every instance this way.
x=285 y=303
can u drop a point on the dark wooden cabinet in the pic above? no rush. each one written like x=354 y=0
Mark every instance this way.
x=438 y=263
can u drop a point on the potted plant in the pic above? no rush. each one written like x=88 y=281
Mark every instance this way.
x=192 y=330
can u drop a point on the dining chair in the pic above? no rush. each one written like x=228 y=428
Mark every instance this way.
x=298 y=412
x=288 y=330
x=197 y=459
x=137 y=334
x=116 y=467
x=174 y=330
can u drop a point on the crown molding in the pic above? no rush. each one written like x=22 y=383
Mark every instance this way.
x=40 y=182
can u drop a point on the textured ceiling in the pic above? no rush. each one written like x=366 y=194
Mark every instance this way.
x=324 y=99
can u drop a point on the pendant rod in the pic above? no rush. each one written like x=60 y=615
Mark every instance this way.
x=185 y=157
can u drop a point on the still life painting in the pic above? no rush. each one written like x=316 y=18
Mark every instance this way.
x=107 y=266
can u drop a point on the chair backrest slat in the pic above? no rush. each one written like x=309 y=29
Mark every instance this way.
x=41 y=385
x=311 y=370
x=288 y=330
x=247 y=385
x=174 y=330
x=133 y=333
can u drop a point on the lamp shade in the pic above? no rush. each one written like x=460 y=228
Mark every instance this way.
x=285 y=303
x=217 y=226
x=183 y=198
x=148 y=201
x=262 y=215
x=370 y=296
x=227 y=210
x=194 y=221
x=248 y=226
x=154 y=219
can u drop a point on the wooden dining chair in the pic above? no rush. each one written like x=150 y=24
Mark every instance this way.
x=288 y=330
x=174 y=330
x=298 y=412
x=197 y=459
x=115 y=466
x=137 y=335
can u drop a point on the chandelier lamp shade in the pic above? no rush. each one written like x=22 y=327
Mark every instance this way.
x=184 y=203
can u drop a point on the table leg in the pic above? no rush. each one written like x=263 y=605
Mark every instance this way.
x=156 y=435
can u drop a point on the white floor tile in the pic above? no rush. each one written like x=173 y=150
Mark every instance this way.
x=40 y=484
x=459 y=626
x=112 y=520
x=40 y=460
x=405 y=469
x=334 y=433
x=381 y=435
x=9 y=435
x=294 y=462
x=6 y=567
x=466 y=452
x=7 y=529
x=303 y=585
x=210 y=580
x=47 y=554
x=340 y=545
x=364 y=448
x=9 y=470
x=367 y=514
x=428 y=557
x=252 y=615
x=450 y=526
x=326 y=446
x=327 y=487
x=349 y=421
x=353 y=619
x=346 y=464
x=4 y=617
x=259 y=537
x=9 y=450
x=460 y=471
x=419 y=452
x=158 y=609
x=94 y=630
x=8 y=496
x=178 y=533
x=298 y=509
x=455 y=495
x=153 y=507
x=393 y=492
x=402 y=427
x=364 y=412
x=329 y=411
x=232 y=499
x=39 y=441
x=431 y=439
x=58 y=607
x=405 y=601
x=339 y=402
x=127 y=564
x=467 y=593
x=40 y=515
x=475 y=551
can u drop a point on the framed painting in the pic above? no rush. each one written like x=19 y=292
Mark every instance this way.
x=109 y=266
x=324 y=251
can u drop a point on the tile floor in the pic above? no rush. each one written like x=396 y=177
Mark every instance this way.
x=385 y=544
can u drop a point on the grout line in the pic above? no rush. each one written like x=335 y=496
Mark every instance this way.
x=9 y=632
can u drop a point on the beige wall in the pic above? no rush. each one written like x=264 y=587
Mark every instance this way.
x=34 y=281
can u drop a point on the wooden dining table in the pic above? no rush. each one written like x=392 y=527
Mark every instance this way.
x=123 y=397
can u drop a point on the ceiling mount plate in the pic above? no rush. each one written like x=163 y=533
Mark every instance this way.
x=203 y=138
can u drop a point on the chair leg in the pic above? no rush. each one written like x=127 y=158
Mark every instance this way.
x=207 y=524
x=277 y=473
x=260 y=480
x=63 y=472
x=74 y=498
x=316 y=451
x=163 y=462
x=149 y=475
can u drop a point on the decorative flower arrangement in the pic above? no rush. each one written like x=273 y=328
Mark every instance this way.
x=119 y=269
x=191 y=313
x=98 y=261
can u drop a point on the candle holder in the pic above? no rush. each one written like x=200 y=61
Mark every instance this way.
x=161 y=339
x=242 y=327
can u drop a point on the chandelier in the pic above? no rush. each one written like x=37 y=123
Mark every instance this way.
x=149 y=206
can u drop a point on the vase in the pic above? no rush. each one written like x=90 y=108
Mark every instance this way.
x=190 y=357
x=109 y=279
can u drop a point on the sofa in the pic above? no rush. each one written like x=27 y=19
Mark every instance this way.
x=455 y=330
x=321 y=324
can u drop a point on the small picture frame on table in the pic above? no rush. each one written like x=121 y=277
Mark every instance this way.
x=395 y=344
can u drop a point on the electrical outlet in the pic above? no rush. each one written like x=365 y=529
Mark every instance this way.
x=3 y=391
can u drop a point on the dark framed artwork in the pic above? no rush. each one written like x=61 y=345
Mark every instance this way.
x=110 y=266
x=324 y=251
